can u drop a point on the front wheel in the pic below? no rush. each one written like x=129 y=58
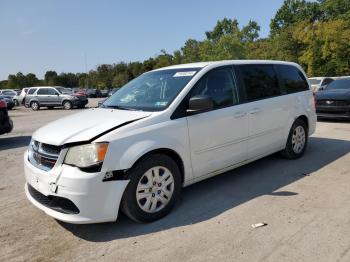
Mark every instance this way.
x=297 y=140
x=154 y=187
x=35 y=106
x=67 y=105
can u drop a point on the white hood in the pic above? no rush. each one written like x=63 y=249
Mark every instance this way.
x=85 y=125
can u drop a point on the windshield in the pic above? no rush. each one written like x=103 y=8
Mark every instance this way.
x=314 y=81
x=153 y=91
x=339 y=84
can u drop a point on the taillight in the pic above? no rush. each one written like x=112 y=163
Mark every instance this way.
x=3 y=104
x=314 y=100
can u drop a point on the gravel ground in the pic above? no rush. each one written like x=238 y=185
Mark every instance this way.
x=305 y=204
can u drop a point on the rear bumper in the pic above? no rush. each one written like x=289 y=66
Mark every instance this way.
x=79 y=197
x=333 y=116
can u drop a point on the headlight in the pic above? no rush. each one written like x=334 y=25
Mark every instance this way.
x=86 y=155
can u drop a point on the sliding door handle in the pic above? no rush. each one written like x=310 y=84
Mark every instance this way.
x=255 y=111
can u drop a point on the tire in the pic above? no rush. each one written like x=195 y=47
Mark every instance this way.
x=297 y=140
x=67 y=105
x=147 y=205
x=35 y=105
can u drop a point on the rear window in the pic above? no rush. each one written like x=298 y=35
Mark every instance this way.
x=292 y=79
x=260 y=81
x=31 y=91
x=339 y=84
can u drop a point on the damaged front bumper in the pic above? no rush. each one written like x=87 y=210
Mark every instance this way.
x=71 y=195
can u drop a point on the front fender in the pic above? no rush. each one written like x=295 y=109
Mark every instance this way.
x=124 y=152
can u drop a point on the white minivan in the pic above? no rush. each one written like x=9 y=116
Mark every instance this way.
x=164 y=130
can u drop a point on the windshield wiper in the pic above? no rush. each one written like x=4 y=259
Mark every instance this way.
x=120 y=107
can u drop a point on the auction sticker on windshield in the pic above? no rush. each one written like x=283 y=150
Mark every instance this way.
x=181 y=74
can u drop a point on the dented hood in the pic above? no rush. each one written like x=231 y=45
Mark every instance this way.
x=85 y=125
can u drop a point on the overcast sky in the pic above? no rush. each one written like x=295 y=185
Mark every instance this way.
x=61 y=35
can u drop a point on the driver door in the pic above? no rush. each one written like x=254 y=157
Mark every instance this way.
x=218 y=138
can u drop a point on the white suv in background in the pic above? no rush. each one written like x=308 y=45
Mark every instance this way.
x=164 y=130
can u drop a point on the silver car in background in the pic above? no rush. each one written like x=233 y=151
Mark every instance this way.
x=50 y=97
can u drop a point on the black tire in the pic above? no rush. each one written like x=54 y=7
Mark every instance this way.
x=289 y=152
x=67 y=105
x=34 y=105
x=129 y=204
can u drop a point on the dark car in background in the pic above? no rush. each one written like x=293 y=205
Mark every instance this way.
x=105 y=92
x=334 y=100
x=93 y=93
x=6 y=124
x=9 y=101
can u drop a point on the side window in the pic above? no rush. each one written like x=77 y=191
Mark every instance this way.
x=220 y=85
x=293 y=80
x=327 y=81
x=42 y=91
x=51 y=91
x=260 y=81
x=31 y=91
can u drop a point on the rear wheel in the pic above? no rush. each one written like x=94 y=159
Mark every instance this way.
x=297 y=140
x=35 y=105
x=154 y=187
x=67 y=105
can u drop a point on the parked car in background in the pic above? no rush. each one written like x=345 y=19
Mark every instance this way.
x=6 y=124
x=78 y=91
x=47 y=96
x=66 y=90
x=104 y=92
x=318 y=83
x=9 y=102
x=19 y=99
x=334 y=100
x=164 y=130
x=93 y=93
x=8 y=93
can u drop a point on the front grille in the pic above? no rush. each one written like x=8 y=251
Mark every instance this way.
x=59 y=204
x=332 y=103
x=43 y=156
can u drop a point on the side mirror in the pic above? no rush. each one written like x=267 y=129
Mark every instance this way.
x=200 y=103
x=57 y=94
x=321 y=88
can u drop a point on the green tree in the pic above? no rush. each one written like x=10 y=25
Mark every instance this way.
x=223 y=27
x=250 y=32
x=51 y=78
x=293 y=11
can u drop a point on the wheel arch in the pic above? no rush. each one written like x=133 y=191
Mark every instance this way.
x=170 y=153
x=303 y=118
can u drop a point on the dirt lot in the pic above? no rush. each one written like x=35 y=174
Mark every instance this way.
x=306 y=204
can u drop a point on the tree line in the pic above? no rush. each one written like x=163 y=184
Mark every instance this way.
x=314 y=34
